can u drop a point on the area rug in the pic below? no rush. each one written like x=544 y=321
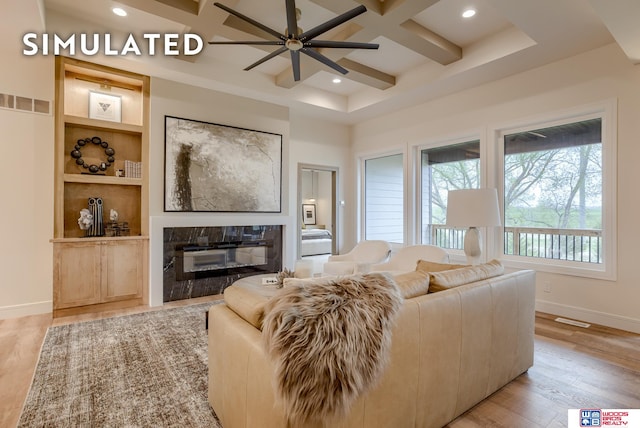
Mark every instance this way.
x=142 y=370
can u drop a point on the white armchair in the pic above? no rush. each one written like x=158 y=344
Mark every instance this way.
x=359 y=259
x=406 y=258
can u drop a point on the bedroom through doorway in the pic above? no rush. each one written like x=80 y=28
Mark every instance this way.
x=317 y=201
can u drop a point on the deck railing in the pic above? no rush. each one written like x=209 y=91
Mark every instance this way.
x=581 y=245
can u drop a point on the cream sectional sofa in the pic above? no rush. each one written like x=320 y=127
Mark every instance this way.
x=450 y=350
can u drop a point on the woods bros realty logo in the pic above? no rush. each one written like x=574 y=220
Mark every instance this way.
x=169 y=44
x=604 y=418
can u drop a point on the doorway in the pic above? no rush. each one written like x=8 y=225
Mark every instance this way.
x=318 y=218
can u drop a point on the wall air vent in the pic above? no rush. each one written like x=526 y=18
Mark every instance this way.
x=31 y=105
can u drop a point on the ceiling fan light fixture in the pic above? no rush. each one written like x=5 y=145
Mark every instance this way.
x=468 y=13
x=293 y=44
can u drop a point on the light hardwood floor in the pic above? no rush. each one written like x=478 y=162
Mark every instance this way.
x=598 y=367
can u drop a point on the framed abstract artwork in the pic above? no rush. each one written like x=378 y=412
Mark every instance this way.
x=218 y=168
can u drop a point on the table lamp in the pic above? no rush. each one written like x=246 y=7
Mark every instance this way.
x=473 y=208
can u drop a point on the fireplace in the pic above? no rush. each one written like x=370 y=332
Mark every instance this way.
x=201 y=261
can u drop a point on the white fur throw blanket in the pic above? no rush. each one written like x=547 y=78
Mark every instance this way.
x=329 y=342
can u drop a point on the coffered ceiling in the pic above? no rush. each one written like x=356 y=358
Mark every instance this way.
x=427 y=49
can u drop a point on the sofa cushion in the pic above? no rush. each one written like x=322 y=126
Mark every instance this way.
x=412 y=284
x=452 y=278
x=427 y=266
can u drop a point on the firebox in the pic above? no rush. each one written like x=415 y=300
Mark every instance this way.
x=198 y=261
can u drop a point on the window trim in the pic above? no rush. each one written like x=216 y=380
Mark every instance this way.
x=607 y=112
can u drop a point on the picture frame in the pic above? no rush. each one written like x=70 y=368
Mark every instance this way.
x=105 y=106
x=309 y=213
x=211 y=167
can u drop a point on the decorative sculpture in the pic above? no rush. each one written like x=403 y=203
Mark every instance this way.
x=93 y=168
x=95 y=208
x=86 y=219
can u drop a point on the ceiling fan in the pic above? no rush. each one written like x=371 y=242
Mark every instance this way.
x=296 y=41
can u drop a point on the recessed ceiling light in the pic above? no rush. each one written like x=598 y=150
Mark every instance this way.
x=468 y=13
x=336 y=80
x=119 y=11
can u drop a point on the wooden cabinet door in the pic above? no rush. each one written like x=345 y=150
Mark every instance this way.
x=77 y=274
x=122 y=270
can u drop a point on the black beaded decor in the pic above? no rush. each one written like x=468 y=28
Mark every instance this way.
x=93 y=168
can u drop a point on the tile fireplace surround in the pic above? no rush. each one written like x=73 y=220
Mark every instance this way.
x=202 y=261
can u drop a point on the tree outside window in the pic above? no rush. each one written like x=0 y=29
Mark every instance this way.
x=445 y=168
x=553 y=192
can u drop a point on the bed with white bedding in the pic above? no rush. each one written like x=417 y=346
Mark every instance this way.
x=315 y=241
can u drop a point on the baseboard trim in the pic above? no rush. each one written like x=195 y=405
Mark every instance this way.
x=588 y=315
x=27 y=309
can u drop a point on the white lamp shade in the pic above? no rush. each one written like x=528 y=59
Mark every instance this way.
x=473 y=208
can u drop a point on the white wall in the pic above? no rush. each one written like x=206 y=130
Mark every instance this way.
x=26 y=187
x=596 y=76
x=323 y=198
x=318 y=142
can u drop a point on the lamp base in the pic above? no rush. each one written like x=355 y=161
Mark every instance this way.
x=473 y=246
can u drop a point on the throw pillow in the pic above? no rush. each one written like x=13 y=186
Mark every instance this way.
x=413 y=284
x=444 y=280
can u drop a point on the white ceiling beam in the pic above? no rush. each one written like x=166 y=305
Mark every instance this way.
x=367 y=75
x=622 y=19
x=395 y=23
x=188 y=6
x=436 y=47
x=204 y=19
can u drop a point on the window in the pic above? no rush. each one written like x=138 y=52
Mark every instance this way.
x=554 y=181
x=384 y=198
x=442 y=169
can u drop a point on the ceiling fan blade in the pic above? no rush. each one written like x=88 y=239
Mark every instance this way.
x=251 y=21
x=323 y=28
x=266 y=58
x=251 y=42
x=340 y=44
x=292 y=22
x=323 y=59
x=295 y=64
